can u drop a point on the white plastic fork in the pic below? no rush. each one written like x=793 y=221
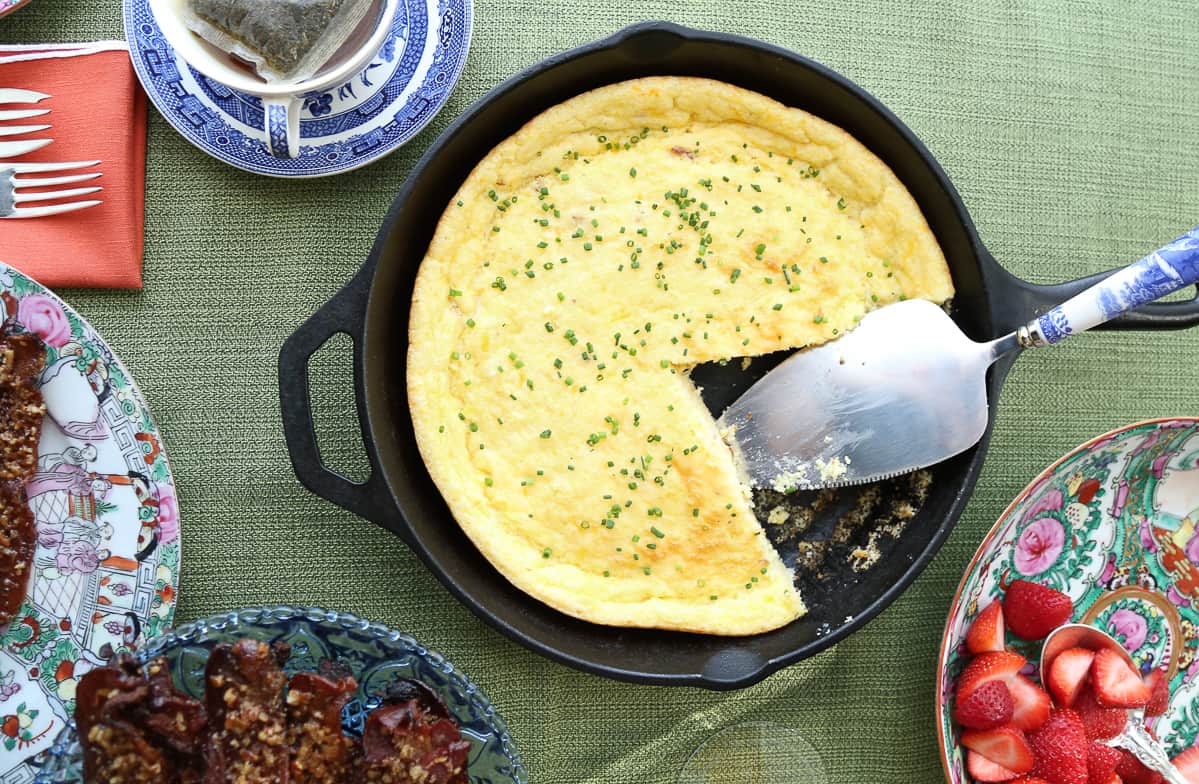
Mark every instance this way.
x=11 y=183
x=12 y=95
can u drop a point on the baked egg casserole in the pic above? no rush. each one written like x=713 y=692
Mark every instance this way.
x=584 y=266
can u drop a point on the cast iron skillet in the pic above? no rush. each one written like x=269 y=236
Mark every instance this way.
x=373 y=310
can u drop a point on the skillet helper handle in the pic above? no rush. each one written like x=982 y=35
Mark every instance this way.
x=343 y=314
x=1165 y=271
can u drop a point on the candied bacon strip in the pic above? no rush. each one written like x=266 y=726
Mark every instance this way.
x=412 y=739
x=135 y=729
x=22 y=359
x=244 y=692
x=321 y=753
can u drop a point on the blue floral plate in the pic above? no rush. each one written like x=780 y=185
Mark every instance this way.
x=378 y=656
x=368 y=117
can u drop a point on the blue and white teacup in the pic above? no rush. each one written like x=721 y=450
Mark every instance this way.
x=281 y=101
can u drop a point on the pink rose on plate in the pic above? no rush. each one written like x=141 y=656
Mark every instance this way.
x=168 y=514
x=43 y=316
x=1039 y=545
x=1130 y=626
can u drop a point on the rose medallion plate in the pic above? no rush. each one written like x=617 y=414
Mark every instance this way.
x=106 y=566
x=1115 y=525
x=341 y=129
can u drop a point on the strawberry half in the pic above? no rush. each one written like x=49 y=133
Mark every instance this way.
x=987 y=667
x=1159 y=692
x=1131 y=771
x=1004 y=746
x=1032 y=611
x=1068 y=673
x=1187 y=763
x=990 y=705
x=1102 y=761
x=1116 y=684
x=1101 y=723
x=982 y=769
x=1060 y=749
x=1031 y=704
x=986 y=633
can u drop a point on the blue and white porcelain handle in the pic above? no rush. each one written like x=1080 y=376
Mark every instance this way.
x=1166 y=270
x=282 y=120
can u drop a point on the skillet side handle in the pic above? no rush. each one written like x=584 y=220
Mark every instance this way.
x=342 y=314
x=1017 y=301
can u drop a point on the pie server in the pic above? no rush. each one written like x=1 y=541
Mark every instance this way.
x=907 y=389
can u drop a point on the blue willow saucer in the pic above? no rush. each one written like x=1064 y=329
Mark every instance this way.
x=377 y=656
x=344 y=128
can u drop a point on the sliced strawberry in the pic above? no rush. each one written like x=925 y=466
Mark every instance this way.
x=1031 y=703
x=1032 y=611
x=1004 y=746
x=1101 y=723
x=1131 y=771
x=1068 y=673
x=1101 y=762
x=987 y=667
x=982 y=769
x=1060 y=749
x=986 y=633
x=1116 y=684
x=1159 y=692
x=1187 y=763
x=990 y=705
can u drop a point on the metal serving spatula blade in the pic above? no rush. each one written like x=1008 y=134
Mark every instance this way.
x=906 y=389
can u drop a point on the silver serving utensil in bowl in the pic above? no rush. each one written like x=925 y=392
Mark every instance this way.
x=11 y=186
x=12 y=95
x=906 y=388
x=1135 y=737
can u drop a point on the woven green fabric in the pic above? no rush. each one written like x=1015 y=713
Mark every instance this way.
x=1070 y=128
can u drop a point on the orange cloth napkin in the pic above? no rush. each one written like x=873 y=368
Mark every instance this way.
x=97 y=112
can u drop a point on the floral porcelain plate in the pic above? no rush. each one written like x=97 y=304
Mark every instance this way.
x=342 y=129
x=377 y=656
x=8 y=6
x=1115 y=525
x=107 y=562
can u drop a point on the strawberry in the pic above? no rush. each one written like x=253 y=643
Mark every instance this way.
x=1030 y=703
x=1132 y=771
x=1187 y=763
x=986 y=633
x=987 y=667
x=988 y=706
x=1101 y=762
x=1068 y=673
x=1159 y=692
x=982 y=769
x=1101 y=723
x=1028 y=780
x=1116 y=684
x=1032 y=611
x=1004 y=746
x=1060 y=749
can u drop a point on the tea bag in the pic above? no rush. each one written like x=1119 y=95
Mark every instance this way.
x=285 y=40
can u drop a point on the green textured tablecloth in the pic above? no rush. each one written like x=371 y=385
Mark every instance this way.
x=1071 y=129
